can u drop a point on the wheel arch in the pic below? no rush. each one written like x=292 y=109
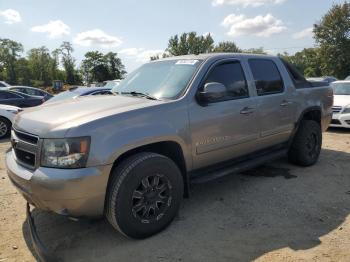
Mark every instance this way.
x=168 y=148
x=311 y=113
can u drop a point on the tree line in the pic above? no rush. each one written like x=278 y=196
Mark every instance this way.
x=330 y=56
x=40 y=67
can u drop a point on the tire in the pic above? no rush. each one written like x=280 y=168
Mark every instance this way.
x=5 y=127
x=132 y=207
x=306 y=146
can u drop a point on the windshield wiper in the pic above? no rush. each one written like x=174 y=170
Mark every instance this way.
x=139 y=94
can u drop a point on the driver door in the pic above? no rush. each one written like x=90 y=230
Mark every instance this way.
x=224 y=129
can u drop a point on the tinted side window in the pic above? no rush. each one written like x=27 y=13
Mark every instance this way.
x=32 y=92
x=3 y=95
x=231 y=75
x=2 y=85
x=18 y=90
x=267 y=78
x=12 y=95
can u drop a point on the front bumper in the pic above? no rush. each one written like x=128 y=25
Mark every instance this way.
x=72 y=192
x=340 y=120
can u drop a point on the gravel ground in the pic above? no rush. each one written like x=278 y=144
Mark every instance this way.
x=277 y=212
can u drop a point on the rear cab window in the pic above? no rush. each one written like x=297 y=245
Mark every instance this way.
x=267 y=77
x=298 y=79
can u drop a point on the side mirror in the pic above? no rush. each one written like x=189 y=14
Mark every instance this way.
x=212 y=92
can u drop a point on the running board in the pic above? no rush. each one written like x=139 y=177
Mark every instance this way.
x=204 y=177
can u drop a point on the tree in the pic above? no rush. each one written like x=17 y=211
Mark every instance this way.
x=24 y=76
x=115 y=66
x=227 y=47
x=306 y=61
x=190 y=43
x=97 y=67
x=41 y=65
x=68 y=61
x=258 y=51
x=9 y=53
x=332 y=34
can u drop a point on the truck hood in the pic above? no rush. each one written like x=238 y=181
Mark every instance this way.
x=55 y=119
x=341 y=100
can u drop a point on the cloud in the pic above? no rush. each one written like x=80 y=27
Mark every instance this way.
x=141 y=54
x=263 y=26
x=11 y=16
x=246 y=3
x=306 y=33
x=54 y=29
x=131 y=51
x=97 y=37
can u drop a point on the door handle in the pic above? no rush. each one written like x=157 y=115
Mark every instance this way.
x=285 y=103
x=247 y=111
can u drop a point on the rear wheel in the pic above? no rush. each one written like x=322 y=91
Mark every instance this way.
x=144 y=195
x=5 y=127
x=307 y=143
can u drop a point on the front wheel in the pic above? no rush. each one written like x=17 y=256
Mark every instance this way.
x=144 y=195
x=306 y=146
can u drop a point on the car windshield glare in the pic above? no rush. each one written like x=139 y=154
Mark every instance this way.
x=161 y=79
x=341 y=88
x=62 y=96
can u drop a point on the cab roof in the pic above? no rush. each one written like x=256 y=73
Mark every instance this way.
x=218 y=55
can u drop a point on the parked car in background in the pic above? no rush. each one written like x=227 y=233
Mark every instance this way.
x=80 y=91
x=328 y=79
x=32 y=91
x=3 y=84
x=341 y=108
x=14 y=98
x=111 y=83
x=7 y=114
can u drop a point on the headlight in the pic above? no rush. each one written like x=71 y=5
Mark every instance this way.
x=65 y=153
x=346 y=110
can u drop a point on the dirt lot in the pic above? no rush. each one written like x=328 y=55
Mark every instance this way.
x=278 y=212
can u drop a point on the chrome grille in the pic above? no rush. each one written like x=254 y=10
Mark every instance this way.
x=336 y=109
x=26 y=148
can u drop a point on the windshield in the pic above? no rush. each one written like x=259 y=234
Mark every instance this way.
x=111 y=84
x=160 y=79
x=62 y=96
x=341 y=88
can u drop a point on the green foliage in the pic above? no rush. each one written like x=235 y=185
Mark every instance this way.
x=39 y=68
x=332 y=34
x=97 y=67
x=9 y=53
x=190 y=43
x=40 y=65
x=68 y=62
x=258 y=51
x=307 y=61
x=226 y=47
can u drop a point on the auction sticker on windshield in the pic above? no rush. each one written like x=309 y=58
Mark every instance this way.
x=187 y=62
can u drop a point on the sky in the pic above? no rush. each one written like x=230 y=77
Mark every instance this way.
x=137 y=30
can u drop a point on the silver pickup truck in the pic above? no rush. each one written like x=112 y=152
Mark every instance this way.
x=132 y=156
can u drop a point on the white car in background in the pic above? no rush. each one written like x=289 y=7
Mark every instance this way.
x=341 y=108
x=7 y=115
